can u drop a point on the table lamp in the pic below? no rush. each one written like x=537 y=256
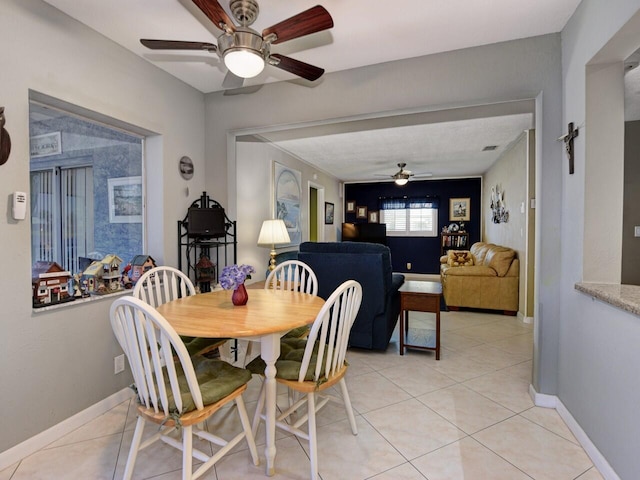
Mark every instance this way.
x=272 y=233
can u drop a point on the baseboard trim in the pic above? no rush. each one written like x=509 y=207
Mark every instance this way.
x=542 y=399
x=552 y=401
x=41 y=440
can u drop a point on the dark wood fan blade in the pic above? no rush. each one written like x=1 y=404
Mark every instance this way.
x=177 y=45
x=214 y=12
x=232 y=81
x=304 y=70
x=310 y=21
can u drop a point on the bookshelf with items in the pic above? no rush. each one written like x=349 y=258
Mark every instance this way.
x=453 y=241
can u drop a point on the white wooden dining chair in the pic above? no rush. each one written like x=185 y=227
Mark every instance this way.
x=312 y=366
x=162 y=284
x=293 y=275
x=175 y=390
x=290 y=275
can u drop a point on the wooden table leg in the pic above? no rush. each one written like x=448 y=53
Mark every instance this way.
x=438 y=331
x=402 y=321
x=270 y=351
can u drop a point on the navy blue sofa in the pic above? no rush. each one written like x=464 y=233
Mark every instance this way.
x=370 y=265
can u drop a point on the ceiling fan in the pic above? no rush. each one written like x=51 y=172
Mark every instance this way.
x=401 y=177
x=243 y=50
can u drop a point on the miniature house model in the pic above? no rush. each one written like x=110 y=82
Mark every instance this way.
x=139 y=265
x=103 y=276
x=50 y=284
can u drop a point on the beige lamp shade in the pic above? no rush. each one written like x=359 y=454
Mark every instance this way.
x=273 y=232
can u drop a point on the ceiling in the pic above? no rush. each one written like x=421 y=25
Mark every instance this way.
x=365 y=32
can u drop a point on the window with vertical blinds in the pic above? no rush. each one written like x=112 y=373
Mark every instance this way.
x=62 y=215
x=410 y=216
x=71 y=192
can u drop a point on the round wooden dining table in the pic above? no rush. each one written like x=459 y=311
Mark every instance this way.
x=267 y=316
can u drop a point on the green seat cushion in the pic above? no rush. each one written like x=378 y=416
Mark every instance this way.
x=297 y=332
x=216 y=378
x=290 y=360
x=197 y=344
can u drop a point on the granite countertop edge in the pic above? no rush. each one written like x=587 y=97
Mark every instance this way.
x=625 y=297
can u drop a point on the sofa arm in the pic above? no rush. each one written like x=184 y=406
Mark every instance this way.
x=444 y=258
x=397 y=279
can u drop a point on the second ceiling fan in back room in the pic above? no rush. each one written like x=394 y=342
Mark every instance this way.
x=402 y=176
x=243 y=50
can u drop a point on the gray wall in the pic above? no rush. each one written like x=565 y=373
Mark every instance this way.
x=631 y=212
x=502 y=72
x=56 y=363
x=598 y=343
x=509 y=173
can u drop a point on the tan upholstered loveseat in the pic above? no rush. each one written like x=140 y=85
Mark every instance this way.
x=491 y=281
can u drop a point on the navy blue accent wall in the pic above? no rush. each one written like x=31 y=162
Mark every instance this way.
x=422 y=252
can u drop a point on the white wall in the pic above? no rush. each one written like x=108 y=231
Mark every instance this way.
x=54 y=364
x=255 y=199
x=598 y=344
x=503 y=72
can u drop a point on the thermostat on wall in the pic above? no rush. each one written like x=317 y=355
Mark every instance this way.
x=19 y=210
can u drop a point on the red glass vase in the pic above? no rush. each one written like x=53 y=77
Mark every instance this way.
x=240 y=295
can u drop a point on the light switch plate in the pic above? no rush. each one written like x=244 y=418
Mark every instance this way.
x=636 y=231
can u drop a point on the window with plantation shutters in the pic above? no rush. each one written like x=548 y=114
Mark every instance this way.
x=406 y=217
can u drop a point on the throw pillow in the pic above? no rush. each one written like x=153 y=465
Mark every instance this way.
x=459 y=258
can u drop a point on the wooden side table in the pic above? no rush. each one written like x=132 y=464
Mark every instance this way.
x=419 y=296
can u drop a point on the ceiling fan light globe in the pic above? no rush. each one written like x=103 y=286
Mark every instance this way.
x=243 y=62
x=401 y=181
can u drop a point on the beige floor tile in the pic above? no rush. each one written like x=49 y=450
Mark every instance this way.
x=459 y=367
x=357 y=366
x=518 y=344
x=417 y=378
x=549 y=419
x=466 y=409
x=413 y=428
x=466 y=460
x=591 y=474
x=380 y=360
x=8 y=472
x=108 y=423
x=158 y=458
x=490 y=332
x=451 y=321
x=535 y=450
x=95 y=459
x=343 y=455
x=456 y=342
x=406 y=406
x=507 y=390
x=292 y=463
x=522 y=371
x=405 y=471
x=494 y=358
x=372 y=391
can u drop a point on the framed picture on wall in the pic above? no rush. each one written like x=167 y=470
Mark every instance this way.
x=459 y=209
x=125 y=199
x=351 y=206
x=373 y=217
x=287 y=188
x=361 y=212
x=328 y=213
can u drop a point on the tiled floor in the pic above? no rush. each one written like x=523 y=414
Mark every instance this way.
x=467 y=416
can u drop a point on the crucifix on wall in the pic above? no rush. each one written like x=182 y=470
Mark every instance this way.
x=568 y=144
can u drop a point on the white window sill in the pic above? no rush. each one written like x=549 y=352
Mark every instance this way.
x=81 y=301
